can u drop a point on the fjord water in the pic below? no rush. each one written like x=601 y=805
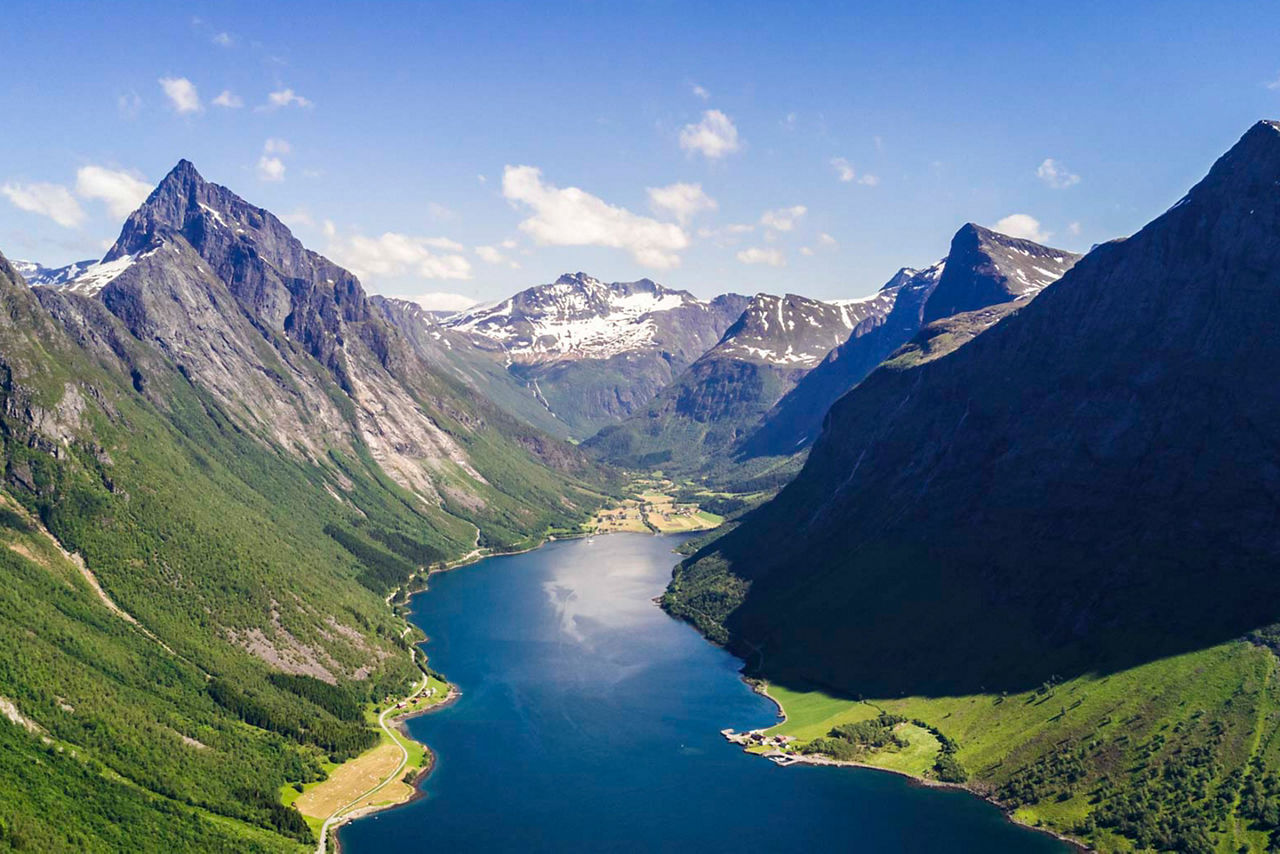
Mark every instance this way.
x=589 y=721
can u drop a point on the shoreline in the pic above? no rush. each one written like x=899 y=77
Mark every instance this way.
x=398 y=723
x=762 y=688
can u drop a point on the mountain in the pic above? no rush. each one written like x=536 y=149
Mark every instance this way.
x=38 y=274
x=474 y=360
x=711 y=405
x=215 y=470
x=1088 y=485
x=982 y=269
x=593 y=352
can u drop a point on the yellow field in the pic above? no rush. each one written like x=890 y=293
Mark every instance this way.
x=349 y=779
x=654 y=510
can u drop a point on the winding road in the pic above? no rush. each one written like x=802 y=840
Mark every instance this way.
x=341 y=813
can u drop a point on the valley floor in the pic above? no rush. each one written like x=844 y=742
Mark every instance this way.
x=652 y=508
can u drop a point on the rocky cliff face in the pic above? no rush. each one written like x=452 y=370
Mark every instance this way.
x=594 y=353
x=1090 y=483
x=289 y=345
x=983 y=269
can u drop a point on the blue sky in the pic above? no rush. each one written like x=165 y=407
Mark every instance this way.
x=475 y=149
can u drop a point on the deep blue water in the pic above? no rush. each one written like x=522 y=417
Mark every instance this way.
x=589 y=721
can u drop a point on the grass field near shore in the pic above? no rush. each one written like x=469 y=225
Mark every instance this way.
x=358 y=783
x=1194 y=737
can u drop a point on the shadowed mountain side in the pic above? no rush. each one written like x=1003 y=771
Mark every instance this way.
x=1092 y=483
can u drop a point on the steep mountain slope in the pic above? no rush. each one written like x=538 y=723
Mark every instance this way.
x=594 y=353
x=983 y=268
x=289 y=342
x=1086 y=486
x=474 y=360
x=710 y=406
x=1054 y=544
x=214 y=472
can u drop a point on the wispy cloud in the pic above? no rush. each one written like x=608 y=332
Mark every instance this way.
x=700 y=91
x=783 y=219
x=284 y=98
x=494 y=255
x=573 y=217
x=224 y=39
x=129 y=105
x=1056 y=175
x=713 y=137
x=845 y=172
x=52 y=200
x=441 y=301
x=228 y=99
x=182 y=94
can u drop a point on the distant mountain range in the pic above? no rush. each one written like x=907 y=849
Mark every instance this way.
x=764 y=389
x=594 y=353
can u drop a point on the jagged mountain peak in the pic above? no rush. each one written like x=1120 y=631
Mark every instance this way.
x=985 y=267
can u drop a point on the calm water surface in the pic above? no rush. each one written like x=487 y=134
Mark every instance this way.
x=590 y=721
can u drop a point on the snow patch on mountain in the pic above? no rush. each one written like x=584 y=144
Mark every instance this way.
x=577 y=316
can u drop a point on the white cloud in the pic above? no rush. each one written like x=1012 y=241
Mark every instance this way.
x=441 y=301
x=230 y=100
x=224 y=40
x=492 y=255
x=683 y=201
x=270 y=168
x=1024 y=226
x=393 y=254
x=52 y=200
x=756 y=255
x=1056 y=175
x=121 y=191
x=845 y=172
x=782 y=219
x=1074 y=229
x=1274 y=84
x=700 y=91
x=284 y=98
x=806 y=251
x=181 y=92
x=828 y=241
x=714 y=136
x=573 y=217
x=276 y=145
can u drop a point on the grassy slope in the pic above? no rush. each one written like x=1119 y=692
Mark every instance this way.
x=1174 y=754
x=206 y=535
